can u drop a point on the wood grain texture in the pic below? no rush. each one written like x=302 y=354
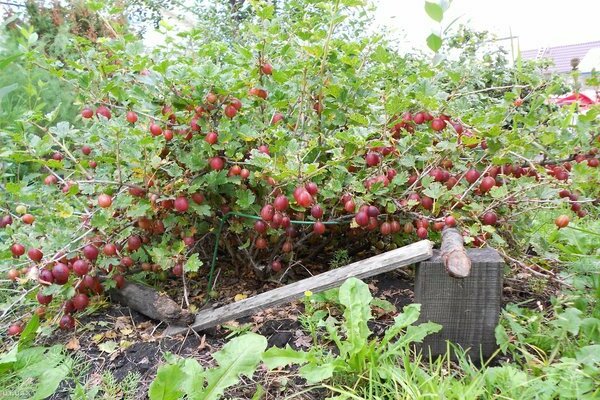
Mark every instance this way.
x=468 y=309
x=379 y=264
x=456 y=261
x=148 y=301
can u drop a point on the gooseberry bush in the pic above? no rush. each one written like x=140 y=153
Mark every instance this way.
x=298 y=133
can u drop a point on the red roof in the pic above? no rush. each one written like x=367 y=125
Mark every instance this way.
x=582 y=99
x=561 y=55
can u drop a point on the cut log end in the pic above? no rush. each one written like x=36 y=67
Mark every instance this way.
x=454 y=255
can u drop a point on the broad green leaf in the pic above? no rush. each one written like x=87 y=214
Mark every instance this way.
x=9 y=358
x=314 y=373
x=238 y=357
x=276 y=357
x=194 y=384
x=168 y=383
x=434 y=42
x=356 y=298
x=7 y=89
x=434 y=11
x=416 y=333
x=589 y=355
x=49 y=381
x=569 y=320
x=385 y=305
x=409 y=315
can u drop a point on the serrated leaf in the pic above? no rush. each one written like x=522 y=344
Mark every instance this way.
x=355 y=296
x=435 y=190
x=192 y=264
x=276 y=357
x=139 y=210
x=64 y=210
x=238 y=357
x=314 y=373
x=361 y=119
x=245 y=198
x=168 y=383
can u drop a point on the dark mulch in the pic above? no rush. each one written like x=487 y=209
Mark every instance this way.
x=138 y=347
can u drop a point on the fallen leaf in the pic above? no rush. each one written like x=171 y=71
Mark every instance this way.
x=202 y=342
x=125 y=344
x=108 y=347
x=110 y=334
x=73 y=344
x=97 y=338
x=145 y=325
x=122 y=322
x=303 y=341
x=126 y=331
x=240 y=296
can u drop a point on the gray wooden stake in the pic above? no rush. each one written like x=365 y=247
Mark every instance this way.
x=379 y=264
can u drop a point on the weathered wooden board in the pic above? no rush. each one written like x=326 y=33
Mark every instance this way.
x=467 y=308
x=379 y=264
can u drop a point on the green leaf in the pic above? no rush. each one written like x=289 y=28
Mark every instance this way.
x=238 y=357
x=502 y=338
x=416 y=334
x=434 y=190
x=409 y=315
x=276 y=357
x=7 y=89
x=245 y=198
x=434 y=11
x=314 y=373
x=49 y=381
x=192 y=264
x=434 y=42
x=14 y=188
x=385 y=305
x=9 y=358
x=6 y=61
x=356 y=298
x=361 y=119
x=138 y=210
x=28 y=334
x=589 y=355
x=168 y=382
x=570 y=320
x=194 y=384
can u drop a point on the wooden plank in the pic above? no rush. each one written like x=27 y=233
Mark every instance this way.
x=468 y=309
x=379 y=264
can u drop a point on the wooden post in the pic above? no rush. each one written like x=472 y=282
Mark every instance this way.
x=379 y=264
x=467 y=308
